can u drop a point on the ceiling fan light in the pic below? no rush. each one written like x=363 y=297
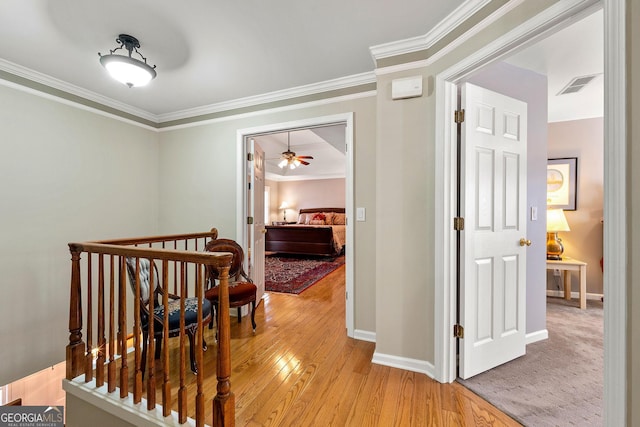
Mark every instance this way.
x=282 y=163
x=296 y=162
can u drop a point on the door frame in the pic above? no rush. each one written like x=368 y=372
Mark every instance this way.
x=615 y=240
x=241 y=208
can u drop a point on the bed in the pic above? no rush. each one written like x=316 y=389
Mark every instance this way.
x=318 y=231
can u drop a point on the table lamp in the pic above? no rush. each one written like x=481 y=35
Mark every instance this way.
x=556 y=221
x=284 y=206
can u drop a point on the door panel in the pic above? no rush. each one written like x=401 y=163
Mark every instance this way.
x=257 y=230
x=493 y=202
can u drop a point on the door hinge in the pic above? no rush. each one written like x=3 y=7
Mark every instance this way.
x=250 y=157
x=458 y=116
x=458 y=331
x=249 y=220
x=458 y=223
x=346 y=296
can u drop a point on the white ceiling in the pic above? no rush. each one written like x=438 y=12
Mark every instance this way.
x=325 y=144
x=575 y=51
x=212 y=52
x=207 y=51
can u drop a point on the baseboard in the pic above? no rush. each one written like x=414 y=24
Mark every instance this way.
x=413 y=365
x=552 y=293
x=536 y=336
x=361 y=335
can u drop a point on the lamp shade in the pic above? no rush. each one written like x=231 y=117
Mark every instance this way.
x=284 y=205
x=556 y=221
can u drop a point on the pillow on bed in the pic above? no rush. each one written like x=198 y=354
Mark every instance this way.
x=302 y=218
x=339 y=219
x=328 y=217
x=318 y=219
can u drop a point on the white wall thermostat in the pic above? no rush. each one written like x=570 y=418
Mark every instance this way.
x=408 y=87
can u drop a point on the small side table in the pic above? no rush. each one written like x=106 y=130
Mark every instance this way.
x=568 y=265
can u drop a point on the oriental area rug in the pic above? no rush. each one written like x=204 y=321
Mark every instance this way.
x=293 y=274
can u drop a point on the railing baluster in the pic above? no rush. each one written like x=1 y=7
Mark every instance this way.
x=224 y=402
x=198 y=343
x=111 y=368
x=75 y=349
x=122 y=331
x=166 y=385
x=88 y=367
x=182 y=391
x=137 y=383
x=101 y=337
x=151 y=350
x=175 y=270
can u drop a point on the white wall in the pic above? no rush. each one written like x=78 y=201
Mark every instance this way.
x=65 y=175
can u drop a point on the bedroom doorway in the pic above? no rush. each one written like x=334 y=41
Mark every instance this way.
x=246 y=212
x=614 y=200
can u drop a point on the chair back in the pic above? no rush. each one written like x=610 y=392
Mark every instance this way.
x=145 y=278
x=236 y=271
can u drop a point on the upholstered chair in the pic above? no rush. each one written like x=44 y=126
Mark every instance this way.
x=242 y=290
x=190 y=313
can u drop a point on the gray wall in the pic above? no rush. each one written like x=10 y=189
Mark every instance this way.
x=531 y=88
x=66 y=174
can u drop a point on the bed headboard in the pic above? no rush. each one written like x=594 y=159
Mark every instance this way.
x=311 y=210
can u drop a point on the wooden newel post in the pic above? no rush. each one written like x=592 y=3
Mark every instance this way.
x=76 y=349
x=224 y=403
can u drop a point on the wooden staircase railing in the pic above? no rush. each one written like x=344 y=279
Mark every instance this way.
x=183 y=266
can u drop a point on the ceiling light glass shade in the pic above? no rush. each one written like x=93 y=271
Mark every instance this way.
x=282 y=163
x=127 y=70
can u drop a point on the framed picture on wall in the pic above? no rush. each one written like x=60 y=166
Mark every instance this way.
x=562 y=175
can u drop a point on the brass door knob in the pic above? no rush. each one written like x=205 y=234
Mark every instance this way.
x=264 y=231
x=525 y=242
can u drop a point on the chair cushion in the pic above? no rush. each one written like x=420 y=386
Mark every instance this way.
x=237 y=291
x=190 y=312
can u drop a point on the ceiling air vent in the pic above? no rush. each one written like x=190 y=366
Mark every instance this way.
x=576 y=84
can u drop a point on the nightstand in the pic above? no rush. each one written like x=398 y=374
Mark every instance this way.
x=568 y=265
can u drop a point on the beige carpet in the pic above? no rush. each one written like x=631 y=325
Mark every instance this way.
x=559 y=381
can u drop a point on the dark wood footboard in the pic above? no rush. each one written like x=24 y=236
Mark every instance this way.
x=299 y=240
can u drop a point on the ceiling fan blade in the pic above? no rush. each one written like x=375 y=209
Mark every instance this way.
x=304 y=163
x=305 y=157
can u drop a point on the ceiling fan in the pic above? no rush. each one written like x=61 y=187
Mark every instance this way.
x=290 y=159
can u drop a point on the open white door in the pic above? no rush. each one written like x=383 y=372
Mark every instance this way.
x=257 y=229
x=493 y=201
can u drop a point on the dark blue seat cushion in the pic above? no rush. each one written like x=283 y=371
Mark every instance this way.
x=190 y=312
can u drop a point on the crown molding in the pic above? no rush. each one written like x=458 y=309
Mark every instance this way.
x=414 y=44
x=295 y=92
x=44 y=79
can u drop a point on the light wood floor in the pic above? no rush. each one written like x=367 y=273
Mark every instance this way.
x=300 y=369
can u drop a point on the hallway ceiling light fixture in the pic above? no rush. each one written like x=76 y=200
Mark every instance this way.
x=127 y=69
x=290 y=159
